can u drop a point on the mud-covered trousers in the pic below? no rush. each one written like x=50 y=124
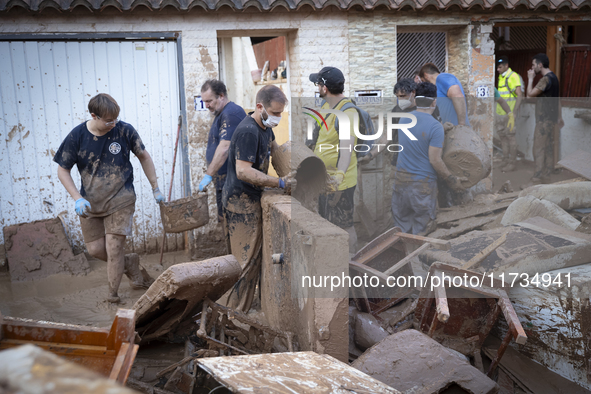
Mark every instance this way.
x=246 y=239
x=543 y=149
x=414 y=204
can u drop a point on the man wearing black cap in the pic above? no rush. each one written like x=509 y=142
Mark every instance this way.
x=510 y=89
x=341 y=160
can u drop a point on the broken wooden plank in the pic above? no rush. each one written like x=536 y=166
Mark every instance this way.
x=406 y=259
x=377 y=246
x=417 y=239
x=471 y=211
x=463 y=226
x=368 y=270
x=579 y=163
x=483 y=254
x=441 y=306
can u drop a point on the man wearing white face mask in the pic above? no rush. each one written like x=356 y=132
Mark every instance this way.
x=414 y=195
x=405 y=92
x=248 y=163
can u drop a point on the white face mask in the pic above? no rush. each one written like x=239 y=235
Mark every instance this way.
x=404 y=104
x=271 y=121
x=505 y=73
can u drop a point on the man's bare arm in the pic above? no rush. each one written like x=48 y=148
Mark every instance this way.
x=65 y=178
x=148 y=167
x=246 y=173
x=519 y=94
x=459 y=102
x=219 y=158
x=437 y=162
x=503 y=104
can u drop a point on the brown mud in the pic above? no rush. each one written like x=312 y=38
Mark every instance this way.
x=65 y=298
x=185 y=214
x=39 y=249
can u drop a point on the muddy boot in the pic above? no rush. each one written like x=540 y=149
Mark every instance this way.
x=510 y=166
x=113 y=299
x=138 y=276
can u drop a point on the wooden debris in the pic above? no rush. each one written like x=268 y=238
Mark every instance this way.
x=410 y=309
x=485 y=252
x=471 y=211
x=407 y=259
x=463 y=226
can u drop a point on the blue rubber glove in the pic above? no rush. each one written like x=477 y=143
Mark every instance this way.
x=82 y=207
x=204 y=182
x=158 y=195
x=281 y=183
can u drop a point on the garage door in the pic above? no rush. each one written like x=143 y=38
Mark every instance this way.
x=45 y=87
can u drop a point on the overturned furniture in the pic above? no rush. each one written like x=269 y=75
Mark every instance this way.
x=375 y=259
x=414 y=363
x=533 y=246
x=178 y=293
x=555 y=313
x=291 y=373
x=236 y=332
x=28 y=369
x=461 y=313
x=110 y=352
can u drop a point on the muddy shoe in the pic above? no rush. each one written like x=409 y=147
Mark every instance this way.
x=508 y=168
x=139 y=277
x=113 y=299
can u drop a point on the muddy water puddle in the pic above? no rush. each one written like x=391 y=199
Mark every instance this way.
x=80 y=299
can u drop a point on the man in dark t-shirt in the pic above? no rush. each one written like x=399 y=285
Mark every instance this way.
x=248 y=162
x=227 y=116
x=101 y=149
x=548 y=117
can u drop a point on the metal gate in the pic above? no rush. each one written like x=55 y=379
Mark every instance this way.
x=413 y=50
x=45 y=86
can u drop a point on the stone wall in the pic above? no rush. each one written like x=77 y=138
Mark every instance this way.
x=311 y=246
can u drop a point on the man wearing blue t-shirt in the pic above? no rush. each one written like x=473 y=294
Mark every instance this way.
x=451 y=99
x=227 y=116
x=101 y=149
x=414 y=196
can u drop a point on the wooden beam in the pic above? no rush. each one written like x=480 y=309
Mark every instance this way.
x=406 y=259
x=483 y=254
x=368 y=270
x=551 y=45
x=417 y=239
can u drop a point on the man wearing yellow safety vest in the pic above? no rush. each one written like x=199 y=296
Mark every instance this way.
x=510 y=89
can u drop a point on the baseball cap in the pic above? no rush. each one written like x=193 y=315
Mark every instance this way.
x=502 y=59
x=331 y=77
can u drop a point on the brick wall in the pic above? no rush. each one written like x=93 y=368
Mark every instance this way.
x=361 y=44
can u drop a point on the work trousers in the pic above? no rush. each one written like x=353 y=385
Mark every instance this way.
x=246 y=240
x=507 y=137
x=414 y=204
x=544 y=148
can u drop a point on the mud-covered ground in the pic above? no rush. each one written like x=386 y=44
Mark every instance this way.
x=65 y=298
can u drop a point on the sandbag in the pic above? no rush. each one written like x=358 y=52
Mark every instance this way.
x=567 y=196
x=528 y=207
x=466 y=155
